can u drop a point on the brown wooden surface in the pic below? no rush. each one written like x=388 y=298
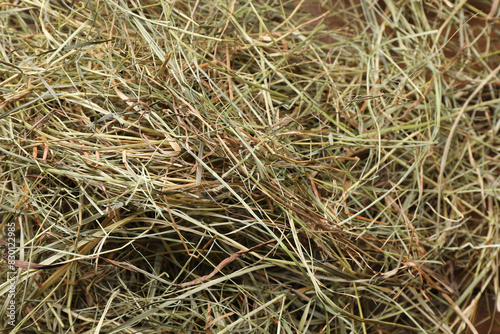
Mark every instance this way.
x=487 y=318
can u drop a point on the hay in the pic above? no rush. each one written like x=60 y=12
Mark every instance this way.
x=248 y=166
